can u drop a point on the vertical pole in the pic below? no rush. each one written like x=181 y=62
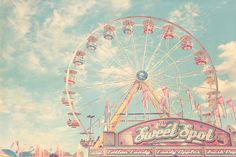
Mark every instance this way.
x=90 y=131
x=90 y=124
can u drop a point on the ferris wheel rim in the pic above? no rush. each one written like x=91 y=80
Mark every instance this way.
x=130 y=17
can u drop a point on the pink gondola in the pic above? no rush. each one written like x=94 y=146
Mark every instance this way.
x=201 y=57
x=148 y=27
x=80 y=53
x=91 y=42
x=66 y=102
x=186 y=42
x=128 y=27
x=168 y=32
x=73 y=123
x=79 y=58
x=71 y=71
x=109 y=32
x=201 y=60
x=71 y=78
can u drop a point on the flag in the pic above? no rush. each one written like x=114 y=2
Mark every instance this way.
x=165 y=92
x=107 y=112
x=181 y=105
x=216 y=112
x=222 y=104
x=145 y=98
x=217 y=115
x=163 y=104
x=166 y=95
x=195 y=106
x=190 y=98
x=199 y=109
x=231 y=105
x=18 y=147
x=189 y=94
x=37 y=151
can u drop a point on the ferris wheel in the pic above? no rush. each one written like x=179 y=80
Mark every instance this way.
x=137 y=68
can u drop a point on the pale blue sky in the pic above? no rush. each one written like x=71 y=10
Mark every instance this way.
x=36 y=44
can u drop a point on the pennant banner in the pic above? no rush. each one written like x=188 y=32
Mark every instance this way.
x=165 y=101
x=145 y=98
x=231 y=105
x=222 y=104
x=216 y=112
x=107 y=112
x=190 y=98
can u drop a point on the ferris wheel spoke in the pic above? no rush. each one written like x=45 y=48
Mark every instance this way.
x=138 y=66
x=163 y=82
x=168 y=53
x=95 y=61
x=167 y=44
x=166 y=68
x=154 y=54
x=165 y=59
x=110 y=80
x=172 y=86
x=125 y=55
x=109 y=73
x=197 y=87
x=186 y=59
x=182 y=75
x=84 y=106
x=100 y=85
x=122 y=97
x=144 y=51
x=116 y=64
x=166 y=82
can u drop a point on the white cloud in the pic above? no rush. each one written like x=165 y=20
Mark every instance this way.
x=202 y=91
x=17 y=25
x=3 y=107
x=29 y=120
x=105 y=51
x=120 y=71
x=52 y=40
x=22 y=12
x=120 y=5
x=227 y=88
x=51 y=44
x=11 y=100
x=187 y=17
x=34 y=63
x=65 y=16
x=228 y=56
x=227 y=67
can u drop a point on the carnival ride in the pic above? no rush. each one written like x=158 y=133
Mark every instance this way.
x=140 y=68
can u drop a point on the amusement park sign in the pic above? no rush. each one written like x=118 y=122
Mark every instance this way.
x=164 y=151
x=173 y=131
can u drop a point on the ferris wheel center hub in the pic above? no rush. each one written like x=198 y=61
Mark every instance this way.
x=142 y=75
